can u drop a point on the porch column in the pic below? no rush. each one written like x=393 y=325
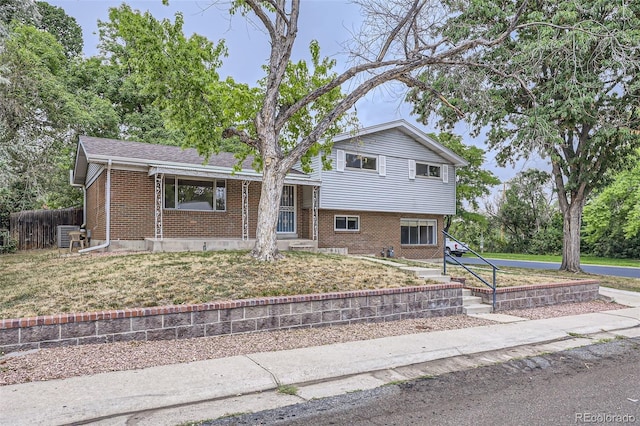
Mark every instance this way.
x=315 y=202
x=159 y=178
x=245 y=210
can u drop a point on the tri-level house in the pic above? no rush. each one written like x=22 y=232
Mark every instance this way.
x=391 y=186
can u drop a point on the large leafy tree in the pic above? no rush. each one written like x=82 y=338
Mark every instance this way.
x=40 y=114
x=526 y=213
x=472 y=181
x=612 y=217
x=298 y=102
x=112 y=75
x=21 y=11
x=63 y=27
x=566 y=88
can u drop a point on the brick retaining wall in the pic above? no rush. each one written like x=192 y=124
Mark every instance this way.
x=533 y=296
x=242 y=316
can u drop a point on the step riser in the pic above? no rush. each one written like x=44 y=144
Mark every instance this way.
x=471 y=300
x=476 y=309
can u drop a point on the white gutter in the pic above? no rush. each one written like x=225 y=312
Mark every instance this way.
x=84 y=198
x=107 y=207
x=168 y=167
x=291 y=179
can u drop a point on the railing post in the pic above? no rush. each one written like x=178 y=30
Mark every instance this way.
x=444 y=253
x=494 y=290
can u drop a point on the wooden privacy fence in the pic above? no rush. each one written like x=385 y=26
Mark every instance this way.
x=37 y=229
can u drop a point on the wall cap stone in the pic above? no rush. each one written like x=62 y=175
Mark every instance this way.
x=500 y=290
x=173 y=309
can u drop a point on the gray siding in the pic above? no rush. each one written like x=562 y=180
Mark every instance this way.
x=367 y=191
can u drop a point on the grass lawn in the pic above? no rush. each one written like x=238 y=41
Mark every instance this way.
x=585 y=260
x=507 y=277
x=50 y=282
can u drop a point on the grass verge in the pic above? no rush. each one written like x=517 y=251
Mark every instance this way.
x=585 y=260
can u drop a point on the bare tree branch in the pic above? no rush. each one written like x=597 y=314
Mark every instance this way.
x=264 y=18
x=414 y=82
x=242 y=135
x=410 y=16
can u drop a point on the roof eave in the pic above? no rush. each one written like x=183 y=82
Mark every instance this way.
x=80 y=165
x=167 y=167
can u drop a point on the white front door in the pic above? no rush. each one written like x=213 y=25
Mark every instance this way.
x=287 y=214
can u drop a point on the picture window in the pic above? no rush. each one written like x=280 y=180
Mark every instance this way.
x=191 y=194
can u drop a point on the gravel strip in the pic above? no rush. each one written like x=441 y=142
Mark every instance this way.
x=564 y=309
x=58 y=363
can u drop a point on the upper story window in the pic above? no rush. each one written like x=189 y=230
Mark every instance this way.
x=191 y=194
x=349 y=160
x=429 y=170
x=435 y=171
x=359 y=161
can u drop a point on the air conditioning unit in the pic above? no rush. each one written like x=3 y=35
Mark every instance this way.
x=63 y=234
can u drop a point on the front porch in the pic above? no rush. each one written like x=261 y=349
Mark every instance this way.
x=215 y=244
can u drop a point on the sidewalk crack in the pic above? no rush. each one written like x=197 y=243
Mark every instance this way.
x=273 y=376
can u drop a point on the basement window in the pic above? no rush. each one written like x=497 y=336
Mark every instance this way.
x=346 y=223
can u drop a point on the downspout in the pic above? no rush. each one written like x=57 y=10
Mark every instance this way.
x=84 y=198
x=107 y=206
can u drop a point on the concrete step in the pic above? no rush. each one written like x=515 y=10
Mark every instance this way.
x=479 y=308
x=432 y=274
x=472 y=305
x=302 y=247
x=471 y=300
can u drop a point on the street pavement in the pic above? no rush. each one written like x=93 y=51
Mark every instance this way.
x=174 y=394
x=616 y=271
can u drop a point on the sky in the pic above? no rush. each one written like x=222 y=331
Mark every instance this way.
x=331 y=22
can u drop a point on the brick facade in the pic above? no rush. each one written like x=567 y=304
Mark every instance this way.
x=133 y=204
x=377 y=230
x=133 y=211
x=222 y=224
x=96 y=208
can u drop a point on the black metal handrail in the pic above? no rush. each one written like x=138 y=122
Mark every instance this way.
x=448 y=256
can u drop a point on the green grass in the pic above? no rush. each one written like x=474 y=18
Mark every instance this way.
x=288 y=390
x=585 y=260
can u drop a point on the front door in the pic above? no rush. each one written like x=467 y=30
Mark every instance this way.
x=287 y=214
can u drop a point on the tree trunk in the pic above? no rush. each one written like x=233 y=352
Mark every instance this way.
x=571 y=237
x=266 y=248
x=447 y=222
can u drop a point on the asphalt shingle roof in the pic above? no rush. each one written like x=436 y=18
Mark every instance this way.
x=153 y=153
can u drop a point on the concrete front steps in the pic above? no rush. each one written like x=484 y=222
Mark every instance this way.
x=472 y=305
x=431 y=274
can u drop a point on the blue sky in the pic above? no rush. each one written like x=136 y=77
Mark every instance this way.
x=331 y=22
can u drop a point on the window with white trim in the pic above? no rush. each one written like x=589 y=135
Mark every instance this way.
x=418 y=231
x=428 y=170
x=359 y=161
x=192 y=194
x=346 y=223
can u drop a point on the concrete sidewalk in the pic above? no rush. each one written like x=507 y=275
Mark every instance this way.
x=209 y=389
